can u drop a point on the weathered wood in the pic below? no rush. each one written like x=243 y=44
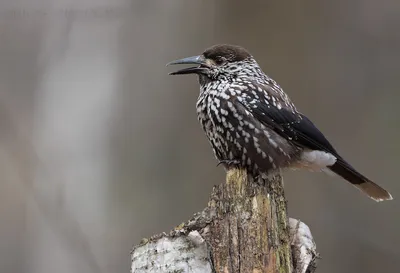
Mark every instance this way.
x=244 y=228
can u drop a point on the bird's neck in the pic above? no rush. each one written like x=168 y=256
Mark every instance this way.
x=243 y=72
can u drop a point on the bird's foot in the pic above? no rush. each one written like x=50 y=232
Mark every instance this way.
x=229 y=163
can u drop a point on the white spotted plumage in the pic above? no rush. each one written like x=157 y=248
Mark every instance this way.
x=217 y=109
x=251 y=122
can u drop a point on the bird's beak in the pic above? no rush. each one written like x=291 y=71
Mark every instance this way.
x=200 y=60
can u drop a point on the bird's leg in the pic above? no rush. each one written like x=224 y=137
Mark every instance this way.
x=229 y=163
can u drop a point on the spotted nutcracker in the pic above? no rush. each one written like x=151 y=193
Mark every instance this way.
x=251 y=123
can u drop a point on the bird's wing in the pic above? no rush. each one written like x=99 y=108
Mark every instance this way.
x=274 y=111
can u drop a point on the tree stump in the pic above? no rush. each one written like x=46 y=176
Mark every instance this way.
x=244 y=228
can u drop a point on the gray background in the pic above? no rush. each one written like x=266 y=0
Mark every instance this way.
x=99 y=147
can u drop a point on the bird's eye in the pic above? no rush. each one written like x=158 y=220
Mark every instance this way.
x=219 y=60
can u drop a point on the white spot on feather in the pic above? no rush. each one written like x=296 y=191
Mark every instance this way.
x=248 y=161
x=225 y=96
x=217 y=102
x=223 y=111
x=273 y=143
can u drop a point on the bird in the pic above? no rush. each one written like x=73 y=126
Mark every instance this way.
x=251 y=123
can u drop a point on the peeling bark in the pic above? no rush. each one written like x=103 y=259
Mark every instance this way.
x=244 y=228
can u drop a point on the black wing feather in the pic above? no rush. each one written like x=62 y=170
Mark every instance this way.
x=292 y=126
x=296 y=127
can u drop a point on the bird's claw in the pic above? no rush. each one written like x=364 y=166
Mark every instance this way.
x=228 y=162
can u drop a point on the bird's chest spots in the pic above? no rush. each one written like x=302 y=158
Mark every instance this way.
x=213 y=119
x=209 y=104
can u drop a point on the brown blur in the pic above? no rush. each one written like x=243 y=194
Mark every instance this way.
x=99 y=147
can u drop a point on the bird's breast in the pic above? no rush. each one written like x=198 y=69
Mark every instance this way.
x=210 y=113
x=235 y=134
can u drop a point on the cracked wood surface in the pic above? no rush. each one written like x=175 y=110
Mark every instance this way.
x=244 y=228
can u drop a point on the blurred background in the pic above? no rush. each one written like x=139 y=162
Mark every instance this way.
x=99 y=147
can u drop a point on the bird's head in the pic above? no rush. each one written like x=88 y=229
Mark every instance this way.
x=218 y=61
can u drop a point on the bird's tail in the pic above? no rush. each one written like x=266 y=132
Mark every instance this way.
x=345 y=170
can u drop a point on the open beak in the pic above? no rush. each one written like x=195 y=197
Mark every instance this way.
x=199 y=60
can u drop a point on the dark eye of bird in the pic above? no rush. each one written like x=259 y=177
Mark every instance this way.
x=219 y=60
